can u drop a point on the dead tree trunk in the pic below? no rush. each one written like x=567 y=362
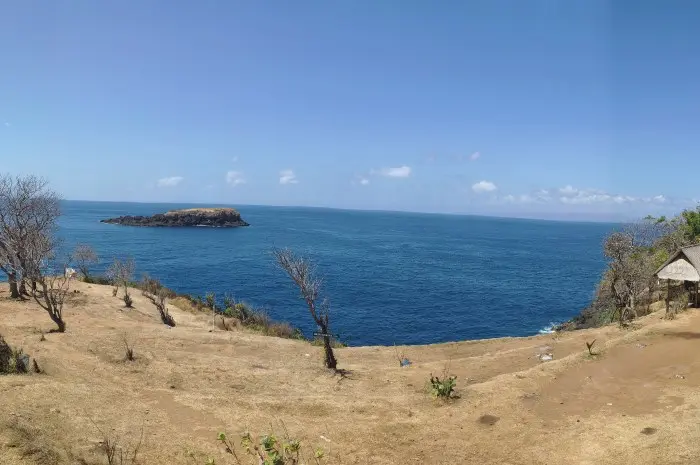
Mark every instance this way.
x=14 y=290
x=329 y=356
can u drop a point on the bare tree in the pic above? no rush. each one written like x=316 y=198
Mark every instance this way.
x=121 y=272
x=28 y=209
x=84 y=257
x=302 y=272
x=630 y=269
x=154 y=291
x=50 y=284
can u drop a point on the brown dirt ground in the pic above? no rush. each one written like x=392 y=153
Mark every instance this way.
x=636 y=402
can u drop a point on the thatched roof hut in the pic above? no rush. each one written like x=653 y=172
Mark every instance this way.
x=684 y=266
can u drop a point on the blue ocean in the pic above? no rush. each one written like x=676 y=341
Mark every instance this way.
x=392 y=278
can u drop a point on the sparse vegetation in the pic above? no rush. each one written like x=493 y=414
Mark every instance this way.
x=115 y=452
x=121 y=273
x=302 y=273
x=589 y=346
x=13 y=360
x=128 y=350
x=154 y=291
x=443 y=387
x=51 y=295
x=270 y=450
x=84 y=257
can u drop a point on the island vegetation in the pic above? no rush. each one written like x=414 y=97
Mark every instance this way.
x=189 y=217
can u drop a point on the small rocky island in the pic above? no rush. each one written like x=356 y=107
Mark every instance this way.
x=209 y=217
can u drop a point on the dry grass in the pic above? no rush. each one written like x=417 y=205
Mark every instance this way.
x=635 y=403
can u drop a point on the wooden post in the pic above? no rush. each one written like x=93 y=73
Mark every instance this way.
x=668 y=295
x=697 y=286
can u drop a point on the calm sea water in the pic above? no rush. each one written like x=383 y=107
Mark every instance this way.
x=403 y=278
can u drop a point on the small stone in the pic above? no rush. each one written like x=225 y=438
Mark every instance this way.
x=609 y=404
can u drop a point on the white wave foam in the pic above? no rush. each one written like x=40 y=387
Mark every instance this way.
x=549 y=329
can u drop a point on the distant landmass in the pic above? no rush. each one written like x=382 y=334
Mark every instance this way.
x=209 y=217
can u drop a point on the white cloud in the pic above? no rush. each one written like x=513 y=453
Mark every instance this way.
x=474 y=156
x=484 y=186
x=172 y=181
x=234 y=178
x=568 y=190
x=7 y=124
x=398 y=172
x=364 y=181
x=570 y=195
x=288 y=177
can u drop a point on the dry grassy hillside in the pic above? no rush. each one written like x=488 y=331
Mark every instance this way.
x=637 y=402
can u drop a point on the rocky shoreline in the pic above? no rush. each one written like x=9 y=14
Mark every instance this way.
x=191 y=217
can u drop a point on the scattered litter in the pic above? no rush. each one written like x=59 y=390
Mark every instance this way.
x=545 y=357
x=680 y=376
x=307 y=355
x=405 y=362
x=641 y=346
x=609 y=404
x=325 y=438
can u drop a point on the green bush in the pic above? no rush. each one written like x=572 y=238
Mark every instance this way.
x=104 y=280
x=269 y=450
x=443 y=387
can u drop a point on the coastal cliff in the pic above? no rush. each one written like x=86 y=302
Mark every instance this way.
x=209 y=217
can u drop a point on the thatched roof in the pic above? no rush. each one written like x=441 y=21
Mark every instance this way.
x=684 y=265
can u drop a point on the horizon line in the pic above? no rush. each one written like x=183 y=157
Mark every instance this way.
x=534 y=217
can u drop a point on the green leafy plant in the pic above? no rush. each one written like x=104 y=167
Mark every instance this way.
x=443 y=387
x=268 y=450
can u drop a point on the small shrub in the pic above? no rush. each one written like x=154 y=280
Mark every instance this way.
x=20 y=362
x=589 y=345
x=270 y=450
x=114 y=291
x=5 y=356
x=103 y=280
x=128 y=301
x=13 y=361
x=154 y=291
x=443 y=387
x=128 y=351
x=317 y=341
x=284 y=330
x=115 y=453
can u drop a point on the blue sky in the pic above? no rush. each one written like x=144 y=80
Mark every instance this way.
x=579 y=108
